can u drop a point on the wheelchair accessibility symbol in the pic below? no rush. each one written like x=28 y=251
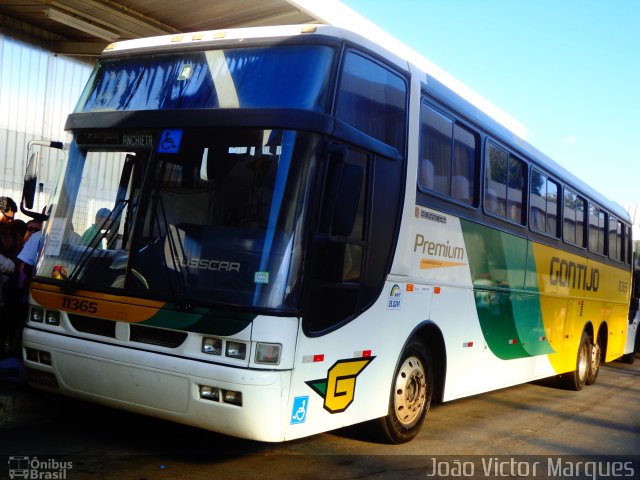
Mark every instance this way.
x=299 y=410
x=170 y=141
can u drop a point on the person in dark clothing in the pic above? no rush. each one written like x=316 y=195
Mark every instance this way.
x=10 y=246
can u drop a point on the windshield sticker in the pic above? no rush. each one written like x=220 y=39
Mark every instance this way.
x=395 y=298
x=299 y=410
x=54 y=237
x=261 y=277
x=170 y=141
x=338 y=389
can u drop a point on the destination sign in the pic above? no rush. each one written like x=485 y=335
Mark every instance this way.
x=129 y=139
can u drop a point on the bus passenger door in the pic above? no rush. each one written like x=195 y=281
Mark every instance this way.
x=338 y=243
x=354 y=236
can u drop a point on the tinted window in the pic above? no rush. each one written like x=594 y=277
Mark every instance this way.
x=435 y=160
x=372 y=98
x=616 y=244
x=283 y=76
x=505 y=179
x=574 y=215
x=443 y=169
x=464 y=165
x=544 y=204
x=596 y=230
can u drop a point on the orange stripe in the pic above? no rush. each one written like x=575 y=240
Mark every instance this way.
x=100 y=305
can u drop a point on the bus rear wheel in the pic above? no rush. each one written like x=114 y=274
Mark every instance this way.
x=411 y=394
x=596 y=361
x=577 y=379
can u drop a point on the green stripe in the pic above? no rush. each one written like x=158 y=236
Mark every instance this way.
x=201 y=320
x=505 y=282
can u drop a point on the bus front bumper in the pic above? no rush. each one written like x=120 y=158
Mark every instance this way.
x=234 y=401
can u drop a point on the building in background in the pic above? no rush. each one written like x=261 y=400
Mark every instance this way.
x=38 y=89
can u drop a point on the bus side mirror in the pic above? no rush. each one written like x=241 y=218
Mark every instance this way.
x=30 y=181
x=31 y=178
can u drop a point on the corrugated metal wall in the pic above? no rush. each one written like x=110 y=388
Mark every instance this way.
x=38 y=89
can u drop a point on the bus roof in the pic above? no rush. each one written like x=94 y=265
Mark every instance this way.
x=439 y=84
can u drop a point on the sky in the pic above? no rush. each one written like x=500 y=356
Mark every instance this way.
x=567 y=70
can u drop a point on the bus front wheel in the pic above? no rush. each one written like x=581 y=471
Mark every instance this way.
x=411 y=394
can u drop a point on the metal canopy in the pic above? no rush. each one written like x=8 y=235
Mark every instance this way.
x=85 y=27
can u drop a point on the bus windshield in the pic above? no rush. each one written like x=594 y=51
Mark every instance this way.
x=216 y=221
x=281 y=76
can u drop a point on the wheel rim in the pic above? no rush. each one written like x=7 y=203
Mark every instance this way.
x=410 y=393
x=583 y=363
x=595 y=357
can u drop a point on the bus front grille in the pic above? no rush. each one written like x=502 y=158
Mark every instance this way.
x=156 y=336
x=161 y=337
x=94 y=326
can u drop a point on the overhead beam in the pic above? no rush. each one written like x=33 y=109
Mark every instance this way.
x=80 y=24
x=76 y=49
x=112 y=15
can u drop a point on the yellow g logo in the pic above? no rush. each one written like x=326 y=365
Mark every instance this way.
x=338 y=389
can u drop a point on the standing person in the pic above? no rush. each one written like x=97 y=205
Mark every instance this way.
x=9 y=248
x=27 y=258
x=8 y=209
x=32 y=227
x=18 y=304
x=19 y=228
x=101 y=217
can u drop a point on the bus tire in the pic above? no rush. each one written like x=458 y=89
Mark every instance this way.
x=596 y=361
x=628 y=358
x=577 y=379
x=631 y=357
x=411 y=394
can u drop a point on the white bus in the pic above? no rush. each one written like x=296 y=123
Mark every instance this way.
x=633 y=333
x=309 y=233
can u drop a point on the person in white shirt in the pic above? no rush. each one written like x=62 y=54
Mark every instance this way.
x=29 y=251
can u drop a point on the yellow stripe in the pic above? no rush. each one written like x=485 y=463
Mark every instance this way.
x=575 y=291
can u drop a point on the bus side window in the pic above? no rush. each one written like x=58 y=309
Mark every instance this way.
x=465 y=161
x=596 y=230
x=544 y=204
x=372 y=98
x=443 y=169
x=505 y=180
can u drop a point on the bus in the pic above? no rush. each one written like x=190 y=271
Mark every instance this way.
x=633 y=333
x=309 y=232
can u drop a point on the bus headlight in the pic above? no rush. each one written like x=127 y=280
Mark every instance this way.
x=234 y=398
x=236 y=350
x=52 y=317
x=220 y=395
x=37 y=315
x=210 y=393
x=212 y=346
x=268 y=353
